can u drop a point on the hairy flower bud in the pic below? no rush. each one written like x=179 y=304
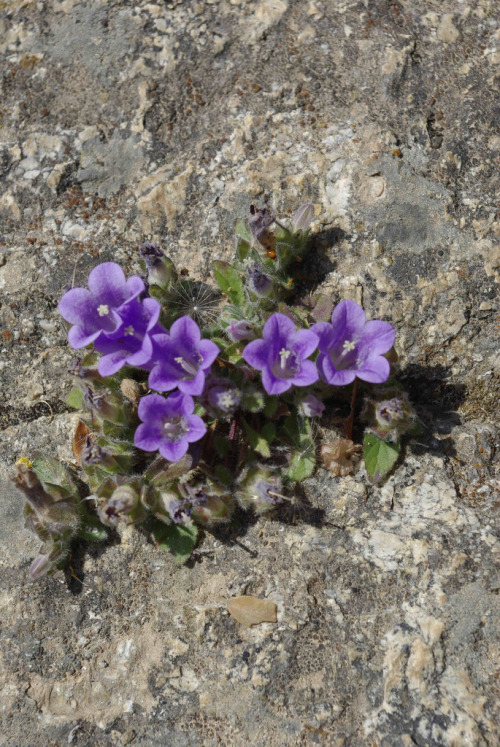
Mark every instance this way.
x=259 y=283
x=159 y=268
x=259 y=223
x=260 y=490
x=123 y=505
x=27 y=480
x=131 y=390
x=311 y=407
x=105 y=404
x=240 y=329
x=303 y=217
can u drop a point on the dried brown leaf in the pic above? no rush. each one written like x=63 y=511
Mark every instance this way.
x=250 y=611
x=79 y=440
x=340 y=456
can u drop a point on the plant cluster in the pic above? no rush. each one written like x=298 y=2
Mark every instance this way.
x=197 y=400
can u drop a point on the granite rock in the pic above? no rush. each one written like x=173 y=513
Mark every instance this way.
x=124 y=122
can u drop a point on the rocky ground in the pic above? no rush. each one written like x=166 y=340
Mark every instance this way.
x=125 y=121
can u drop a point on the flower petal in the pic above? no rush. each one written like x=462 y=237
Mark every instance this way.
x=348 y=320
x=272 y=385
x=78 y=338
x=308 y=374
x=152 y=407
x=107 y=284
x=256 y=354
x=194 y=386
x=77 y=306
x=278 y=326
x=160 y=380
x=174 y=452
x=326 y=335
x=186 y=331
x=332 y=375
x=375 y=369
x=305 y=342
x=378 y=337
x=143 y=355
x=112 y=362
x=134 y=286
x=209 y=351
x=197 y=428
x=148 y=437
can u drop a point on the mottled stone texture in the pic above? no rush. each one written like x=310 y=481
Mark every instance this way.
x=129 y=121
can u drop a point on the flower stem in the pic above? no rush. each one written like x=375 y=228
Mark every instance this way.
x=350 y=420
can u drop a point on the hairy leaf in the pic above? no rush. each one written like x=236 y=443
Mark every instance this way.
x=178 y=539
x=379 y=456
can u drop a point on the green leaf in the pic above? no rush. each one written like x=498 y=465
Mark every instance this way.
x=242 y=248
x=243 y=232
x=229 y=281
x=252 y=399
x=271 y=406
x=75 y=399
x=53 y=474
x=302 y=463
x=178 y=539
x=224 y=475
x=380 y=456
x=260 y=442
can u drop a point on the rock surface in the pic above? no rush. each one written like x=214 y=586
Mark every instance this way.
x=125 y=121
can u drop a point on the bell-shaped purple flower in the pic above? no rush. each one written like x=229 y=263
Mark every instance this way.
x=259 y=283
x=351 y=347
x=181 y=358
x=131 y=343
x=95 y=312
x=282 y=354
x=169 y=425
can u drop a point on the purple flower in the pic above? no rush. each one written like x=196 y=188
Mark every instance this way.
x=131 y=343
x=310 y=406
x=169 y=425
x=94 y=312
x=281 y=355
x=182 y=358
x=350 y=346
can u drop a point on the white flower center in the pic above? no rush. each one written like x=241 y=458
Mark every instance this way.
x=284 y=355
x=348 y=346
x=103 y=309
x=227 y=399
x=129 y=330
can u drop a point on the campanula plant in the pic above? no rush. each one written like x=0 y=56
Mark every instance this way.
x=198 y=401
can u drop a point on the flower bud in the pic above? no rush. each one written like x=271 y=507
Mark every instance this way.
x=131 y=390
x=261 y=490
x=105 y=404
x=159 y=268
x=303 y=217
x=240 y=329
x=123 y=505
x=259 y=222
x=311 y=407
x=27 y=481
x=391 y=412
x=260 y=284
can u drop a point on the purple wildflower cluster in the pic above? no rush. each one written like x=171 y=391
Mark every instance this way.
x=126 y=330
x=124 y=327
